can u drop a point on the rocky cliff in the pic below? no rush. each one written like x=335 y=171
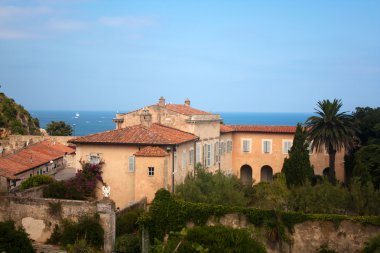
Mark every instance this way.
x=14 y=119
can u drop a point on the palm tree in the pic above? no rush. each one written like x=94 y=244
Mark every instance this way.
x=332 y=130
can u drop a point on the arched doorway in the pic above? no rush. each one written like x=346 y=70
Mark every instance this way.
x=326 y=172
x=246 y=174
x=266 y=174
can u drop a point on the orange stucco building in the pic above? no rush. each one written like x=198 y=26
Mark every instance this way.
x=157 y=146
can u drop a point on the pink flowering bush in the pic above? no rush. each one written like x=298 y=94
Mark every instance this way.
x=80 y=187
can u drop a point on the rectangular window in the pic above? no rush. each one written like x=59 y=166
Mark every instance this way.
x=184 y=159
x=229 y=146
x=198 y=153
x=191 y=156
x=94 y=158
x=286 y=145
x=267 y=146
x=205 y=155
x=208 y=161
x=151 y=171
x=216 y=152
x=131 y=164
x=246 y=145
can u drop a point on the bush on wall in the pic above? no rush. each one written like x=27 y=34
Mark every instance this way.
x=87 y=228
x=14 y=239
x=81 y=187
x=213 y=239
x=36 y=180
x=168 y=214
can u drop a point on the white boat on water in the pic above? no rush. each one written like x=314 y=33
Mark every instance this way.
x=76 y=115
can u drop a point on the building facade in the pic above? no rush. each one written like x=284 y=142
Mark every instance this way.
x=45 y=157
x=159 y=145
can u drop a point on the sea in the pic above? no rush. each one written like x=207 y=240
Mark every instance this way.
x=89 y=122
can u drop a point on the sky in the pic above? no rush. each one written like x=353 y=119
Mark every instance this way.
x=225 y=56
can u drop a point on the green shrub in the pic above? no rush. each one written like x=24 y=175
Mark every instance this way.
x=81 y=246
x=87 y=227
x=326 y=249
x=365 y=200
x=212 y=188
x=321 y=198
x=273 y=195
x=372 y=245
x=36 y=180
x=127 y=223
x=128 y=243
x=56 y=190
x=213 y=239
x=14 y=240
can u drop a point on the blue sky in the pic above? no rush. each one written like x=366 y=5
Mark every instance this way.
x=258 y=56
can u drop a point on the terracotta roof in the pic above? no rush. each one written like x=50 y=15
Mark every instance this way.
x=156 y=134
x=32 y=156
x=151 y=152
x=185 y=109
x=225 y=129
x=257 y=129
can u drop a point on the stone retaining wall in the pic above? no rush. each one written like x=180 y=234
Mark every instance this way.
x=35 y=216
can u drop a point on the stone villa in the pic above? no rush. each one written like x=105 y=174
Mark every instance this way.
x=157 y=146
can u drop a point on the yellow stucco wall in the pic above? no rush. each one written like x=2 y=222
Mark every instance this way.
x=146 y=185
x=256 y=159
x=115 y=170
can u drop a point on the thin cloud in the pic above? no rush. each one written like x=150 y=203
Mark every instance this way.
x=15 y=35
x=15 y=12
x=67 y=25
x=129 y=22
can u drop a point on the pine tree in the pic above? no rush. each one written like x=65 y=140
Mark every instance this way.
x=297 y=167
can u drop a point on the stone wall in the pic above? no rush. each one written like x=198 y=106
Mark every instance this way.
x=33 y=214
x=35 y=192
x=307 y=237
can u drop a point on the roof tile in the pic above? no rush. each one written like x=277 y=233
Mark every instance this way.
x=32 y=156
x=185 y=109
x=151 y=152
x=257 y=129
x=156 y=134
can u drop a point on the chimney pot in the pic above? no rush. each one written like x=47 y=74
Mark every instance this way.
x=187 y=102
x=161 y=101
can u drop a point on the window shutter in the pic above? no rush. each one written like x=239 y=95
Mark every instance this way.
x=212 y=158
x=198 y=153
x=205 y=154
x=246 y=145
x=131 y=166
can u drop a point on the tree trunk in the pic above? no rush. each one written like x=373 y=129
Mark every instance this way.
x=332 y=154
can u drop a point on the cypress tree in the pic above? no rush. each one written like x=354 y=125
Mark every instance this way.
x=297 y=167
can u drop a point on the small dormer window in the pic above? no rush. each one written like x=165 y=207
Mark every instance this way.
x=151 y=171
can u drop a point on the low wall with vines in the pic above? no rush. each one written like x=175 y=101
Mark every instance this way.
x=39 y=216
x=279 y=231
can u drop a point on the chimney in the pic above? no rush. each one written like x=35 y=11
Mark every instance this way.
x=161 y=101
x=187 y=102
x=146 y=118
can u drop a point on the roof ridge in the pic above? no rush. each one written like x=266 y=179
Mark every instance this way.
x=259 y=125
x=175 y=129
x=108 y=131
